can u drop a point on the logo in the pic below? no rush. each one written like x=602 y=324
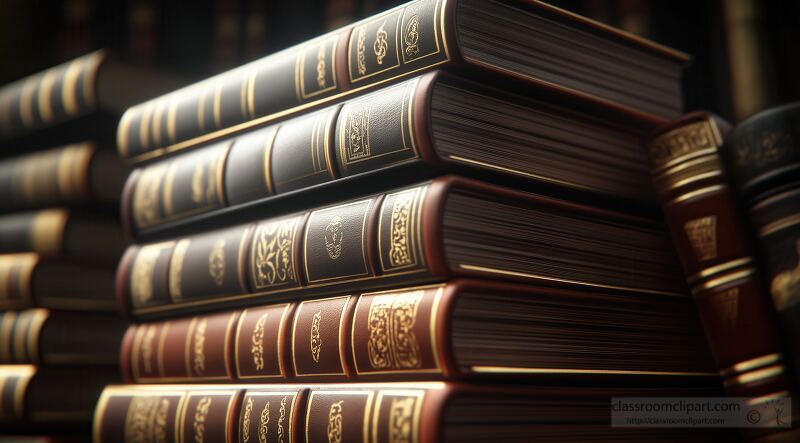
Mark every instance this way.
x=334 y=234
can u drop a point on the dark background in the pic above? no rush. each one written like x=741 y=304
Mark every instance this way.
x=746 y=52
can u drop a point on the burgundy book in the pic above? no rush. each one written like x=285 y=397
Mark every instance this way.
x=42 y=336
x=449 y=227
x=62 y=233
x=714 y=243
x=388 y=412
x=463 y=329
x=27 y=280
x=530 y=43
x=423 y=126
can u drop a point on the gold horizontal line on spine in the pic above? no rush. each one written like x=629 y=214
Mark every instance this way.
x=779 y=225
x=724 y=280
x=754 y=376
x=544 y=371
x=749 y=365
x=708 y=272
x=694 y=194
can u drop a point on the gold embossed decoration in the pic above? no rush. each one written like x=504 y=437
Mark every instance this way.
x=334 y=235
x=702 y=235
x=380 y=46
x=200 y=418
x=146 y=420
x=401 y=419
x=263 y=425
x=335 y=422
x=198 y=347
x=785 y=287
x=216 y=262
x=357 y=130
x=321 y=66
x=248 y=410
x=142 y=274
x=146 y=200
x=361 y=50
x=399 y=250
x=257 y=339
x=282 y=419
x=176 y=269
x=315 y=340
x=273 y=246
x=392 y=342
x=411 y=37
x=147 y=348
x=689 y=139
x=772 y=146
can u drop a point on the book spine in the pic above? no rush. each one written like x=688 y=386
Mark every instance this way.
x=388 y=46
x=268 y=413
x=379 y=237
x=14 y=380
x=60 y=176
x=16 y=274
x=714 y=246
x=50 y=97
x=385 y=335
x=42 y=232
x=375 y=131
x=765 y=162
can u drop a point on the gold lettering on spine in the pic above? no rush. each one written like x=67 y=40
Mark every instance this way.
x=142 y=274
x=361 y=50
x=263 y=424
x=392 y=343
x=216 y=262
x=411 y=37
x=702 y=235
x=147 y=348
x=335 y=422
x=248 y=409
x=200 y=418
x=315 y=340
x=146 y=202
x=785 y=287
x=334 y=235
x=198 y=347
x=401 y=419
x=272 y=254
x=176 y=269
x=321 y=66
x=400 y=253
x=380 y=46
x=281 y=420
x=257 y=339
x=146 y=420
x=684 y=143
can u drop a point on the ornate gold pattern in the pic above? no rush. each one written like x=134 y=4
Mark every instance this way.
x=683 y=142
x=198 y=347
x=176 y=269
x=200 y=417
x=392 y=342
x=401 y=419
x=282 y=419
x=335 y=422
x=248 y=409
x=411 y=36
x=399 y=246
x=147 y=348
x=263 y=424
x=257 y=339
x=145 y=198
x=334 y=235
x=785 y=287
x=357 y=129
x=273 y=258
x=772 y=146
x=702 y=235
x=380 y=46
x=361 y=50
x=142 y=274
x=315 y=340
x=216 y=262
x=146 y=420
x=321 y=66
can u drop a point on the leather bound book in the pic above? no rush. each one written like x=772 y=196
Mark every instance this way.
x=79 y=95
x=526 y=43
x=60 y=233
x=464 y=329
x=57 y=398
x=764 y=155
x=77 y=174
x=715 y=247
x=449 y=227
x=42 y=336
x=28 y=281
x=389 y=412
x=429 y=123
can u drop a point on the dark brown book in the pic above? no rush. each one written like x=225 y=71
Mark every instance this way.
x=389 y=412
x=60 y=398
x=464 y=329
x=79 y=95
x=449 y=227
x=764 y=155
x=529 y=43
x=427 y=124
x=61 y=233
x=57 y=338
x=716 y=250
x=28 y=281
x=77 y=174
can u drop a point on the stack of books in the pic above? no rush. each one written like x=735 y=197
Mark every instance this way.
x=60 y=242
x=434 y=224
